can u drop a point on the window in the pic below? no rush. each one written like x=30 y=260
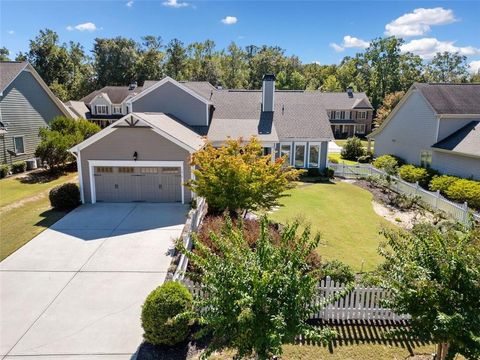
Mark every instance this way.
x=337 y=114
x=362 y=115
x=426 y=158
x=117 y=109
x=18 y=145
x=347 y=115
x=313 y=155
x=299 y=155
x=101 y=109
x=360 y=128
x=171 y=170
x=285 y=150
x=342 y=115
x=332 y=114
x=103 y=169
x=148 y=170
x=267 y=151
x=125 y=169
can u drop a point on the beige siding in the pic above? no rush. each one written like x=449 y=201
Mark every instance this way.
x=122 y=143
x=25 y=107
x=412 y=129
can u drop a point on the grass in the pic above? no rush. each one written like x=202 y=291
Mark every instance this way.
x=25 y=208
x=344 y=216
x=342 y=142
x=336 y=156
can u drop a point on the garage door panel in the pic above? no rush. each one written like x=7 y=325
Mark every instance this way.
x=122 y=184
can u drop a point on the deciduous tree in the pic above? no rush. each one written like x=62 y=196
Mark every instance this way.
x=389 y=103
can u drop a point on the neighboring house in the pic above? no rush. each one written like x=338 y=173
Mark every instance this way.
x=145 y=156
x=437 y=126
x=26 y=105
x=108 y=104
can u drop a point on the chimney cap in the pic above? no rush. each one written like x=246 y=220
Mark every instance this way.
x=269 y=77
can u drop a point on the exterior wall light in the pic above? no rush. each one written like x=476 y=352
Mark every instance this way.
x=135 y=156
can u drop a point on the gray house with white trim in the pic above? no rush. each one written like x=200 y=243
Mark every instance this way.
x=145 y=155
x=435 y=125
x=26 y=105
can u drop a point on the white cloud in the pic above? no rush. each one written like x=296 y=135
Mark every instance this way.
x=174 y=4
x=88 y=26
x=11 y=32
x=419 y=22
x=350 y=42
x=474 y=67
x=229 y=20
x=130 y=3
x=428 y=47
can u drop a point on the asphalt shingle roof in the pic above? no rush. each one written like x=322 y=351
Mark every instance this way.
x=452 y=98
x=116 y=94
x=465 y=140
x=9 y=71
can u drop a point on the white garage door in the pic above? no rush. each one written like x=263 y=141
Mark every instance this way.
x=132 y=183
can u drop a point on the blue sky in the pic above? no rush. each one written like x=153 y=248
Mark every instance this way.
x=316 y=31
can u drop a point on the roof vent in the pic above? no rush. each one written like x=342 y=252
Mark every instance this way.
x=132 y=86
x=350 y=92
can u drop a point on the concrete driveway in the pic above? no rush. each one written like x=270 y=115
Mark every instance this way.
x=75 y=291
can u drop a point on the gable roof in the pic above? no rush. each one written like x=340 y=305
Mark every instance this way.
x=451 y=98
x=466 y=140
x=163 y=124
x=9 y=70
x=116 y=94
x=263 y=129
x=78 y=108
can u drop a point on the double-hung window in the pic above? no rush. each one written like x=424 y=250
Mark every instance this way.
x=285 y=151
x=360 y=128
x=18 y=145
x=362 y=115
x=313 y=155
x=300 y=153
x=101 y=109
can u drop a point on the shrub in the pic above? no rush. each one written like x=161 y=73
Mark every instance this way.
x=413 y=174
x=365 y=159
x=4 y=169
x=404 y=201
x=333 y=160
x=160 y=320
x=65 y=196
x=19 y=166
x=313 y=172
x=338 y=271
x=387 y=163
x=465 y=190
x=442 y=183
x=329 y=173
x=353 y=149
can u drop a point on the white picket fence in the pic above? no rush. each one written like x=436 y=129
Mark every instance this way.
x=193 y=222
x=434 y=200
x=362 y=303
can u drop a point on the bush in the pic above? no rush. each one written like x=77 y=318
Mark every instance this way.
x=353 y=149
x=365 y=159
x=465 y=190
x=387 y=163
x=65 y=196
x=159 y=314
x=442 y=183
x=19 y=167
x=404 y=201
x=329 y=173
x=313 y=172
x=4 y=169
x=414 y=174
x=338 y=271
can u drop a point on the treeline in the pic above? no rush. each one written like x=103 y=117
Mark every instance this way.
x=379 y=70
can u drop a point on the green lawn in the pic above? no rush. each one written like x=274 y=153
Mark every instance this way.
x=342 y=142
x=344 y=216
x=336 y=156
x=25 y=209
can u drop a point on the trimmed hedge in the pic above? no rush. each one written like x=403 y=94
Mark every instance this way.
x=159 y=314
x=465 y=190
x=412 y=174
x=388 y=163
x=442 y=183
x=19 y=166
x=4 y=169
x=65 y=196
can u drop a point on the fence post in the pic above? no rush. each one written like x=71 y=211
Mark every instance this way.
x=465 y=212
x=416 y=188
x=436 y=199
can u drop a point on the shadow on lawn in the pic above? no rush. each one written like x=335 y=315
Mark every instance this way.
x=393 y=333
x=41 y=177
x=50 y=217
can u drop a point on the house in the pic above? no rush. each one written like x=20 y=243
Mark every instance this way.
x=145 y=155
x=26 y=105
x=436 y=126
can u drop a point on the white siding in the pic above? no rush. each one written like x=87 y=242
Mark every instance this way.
x=412 y=129
x=451 y=164
x=100 y=100
x=449 y=126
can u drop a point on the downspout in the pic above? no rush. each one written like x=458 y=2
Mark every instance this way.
x=79 y=170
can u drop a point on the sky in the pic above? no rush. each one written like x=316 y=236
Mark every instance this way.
x=316 y=31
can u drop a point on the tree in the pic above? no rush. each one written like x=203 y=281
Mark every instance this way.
x=150 y=59
x=4 y=54
x=433 y=274
x=258 y=299
x=176 y=63
x=234 y=67
x=264 y=60
x=447 y=67
x=331 y=84
x=60 y=136
x=389 y=103
x=115 y=61
x=237 y=177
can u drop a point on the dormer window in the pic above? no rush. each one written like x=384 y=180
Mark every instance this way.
x=101 y=109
